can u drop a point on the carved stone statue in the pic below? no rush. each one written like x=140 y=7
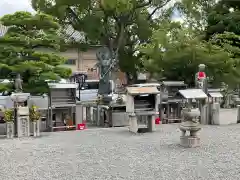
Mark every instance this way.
x=104 y=64
x=18 y=84
x=200 y=78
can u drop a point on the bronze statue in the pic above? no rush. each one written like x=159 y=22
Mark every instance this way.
x=104 y=57
x=18 y=84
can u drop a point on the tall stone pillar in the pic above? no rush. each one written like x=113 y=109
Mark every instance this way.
x=238 y=113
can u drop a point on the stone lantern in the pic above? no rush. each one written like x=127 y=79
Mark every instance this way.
x=191 y=118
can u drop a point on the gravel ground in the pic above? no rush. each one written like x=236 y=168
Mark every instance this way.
x=116 y=154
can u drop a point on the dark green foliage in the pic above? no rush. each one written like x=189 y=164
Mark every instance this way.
x=176 y=53
x=225 y=16
x=29 y=47
x=117 y=24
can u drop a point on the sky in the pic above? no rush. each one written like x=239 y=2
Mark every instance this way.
x=11 y=6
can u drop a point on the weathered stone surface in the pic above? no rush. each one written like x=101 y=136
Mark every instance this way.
x=10 y=129
x=23 y=128
x=35 y=128
x=189 y=141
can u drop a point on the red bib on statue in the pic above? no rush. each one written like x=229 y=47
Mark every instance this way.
x=201 y=75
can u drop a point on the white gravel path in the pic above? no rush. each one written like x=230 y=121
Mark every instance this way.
x=116 y=154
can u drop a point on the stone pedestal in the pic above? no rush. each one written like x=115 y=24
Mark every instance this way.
x=204 y=118
x=23 y=127
x=151 y=124
x=238 y=113
x=88 y=114
x=191 y=125
x=189 y=142
x=79 y=114
x=36 y=128
x=133 y=125
x=215 y=113
x=10 y=129
x=22 y=114
x=23 y=122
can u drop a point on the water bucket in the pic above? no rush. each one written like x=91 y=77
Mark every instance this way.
x=157 y=120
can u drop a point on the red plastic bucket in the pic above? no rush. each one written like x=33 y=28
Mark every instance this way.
x=157 y=120
x=81 y=126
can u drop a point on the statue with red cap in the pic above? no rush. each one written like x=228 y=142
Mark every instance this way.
x=201 y=78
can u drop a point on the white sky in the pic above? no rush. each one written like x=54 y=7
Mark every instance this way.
x=11 y=6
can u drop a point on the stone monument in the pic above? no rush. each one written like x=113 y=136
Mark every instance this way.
x=209 y=109
x=201 y=83
x=22 y=123
x=191 y=118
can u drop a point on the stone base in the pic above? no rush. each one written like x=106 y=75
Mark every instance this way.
x=189 y=141
x=23 y=126
x=133 y=125
x=36 y=128
x=10 y=129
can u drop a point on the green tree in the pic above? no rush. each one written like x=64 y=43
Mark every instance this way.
x=224 y=17
x=195 y=13
x=30 y=48
x=117 y=24
x=230 y=42
x=175 y=53
x=223 y=26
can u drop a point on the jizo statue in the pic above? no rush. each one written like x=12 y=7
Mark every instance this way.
x=18 y=83
x=201 y=78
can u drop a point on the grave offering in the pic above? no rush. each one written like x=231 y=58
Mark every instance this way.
x=35 y=120
x=9 y=118
x=191 y=117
